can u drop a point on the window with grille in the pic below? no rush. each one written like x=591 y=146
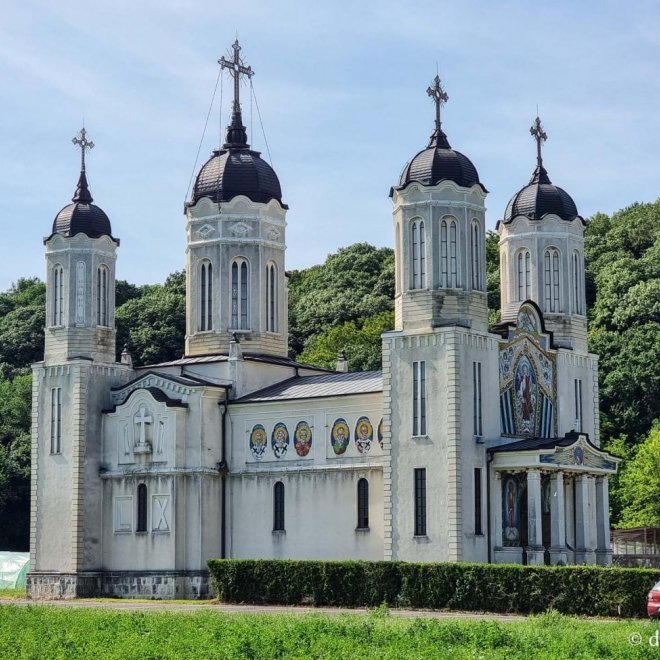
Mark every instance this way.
x=478 y=525
x=56 y=420
x=239 y=295
x=420 y=501
x=419 y=398
x=58 y=295
x=206 y=296
x=418 y=256
x=363 y=504
x=524 y=275
x=552 y=267
x=102 y=301
x=271 y=298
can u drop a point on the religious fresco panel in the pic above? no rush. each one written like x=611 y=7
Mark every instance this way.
x=364 y=435
x=340 y=436
x=279 y=439
x=258 y=441
x=302 y=439
x=527 y=379
x=511 y=494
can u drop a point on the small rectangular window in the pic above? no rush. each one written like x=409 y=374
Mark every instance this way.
x=363 y=504
x=141 y=508
x=56 y=420
x=476 y=399
x=278 y=507
x=478 y=528
x=419 y=398
x=420 y=501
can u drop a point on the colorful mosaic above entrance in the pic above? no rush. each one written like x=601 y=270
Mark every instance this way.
x=527 y=379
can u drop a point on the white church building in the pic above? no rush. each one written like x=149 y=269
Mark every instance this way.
x=473 y=444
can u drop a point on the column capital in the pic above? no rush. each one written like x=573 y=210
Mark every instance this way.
x=534 y=473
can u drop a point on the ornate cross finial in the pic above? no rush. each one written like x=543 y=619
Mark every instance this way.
x=439 y=96
x=540 y=136
x=236 y=67
x=81 y=141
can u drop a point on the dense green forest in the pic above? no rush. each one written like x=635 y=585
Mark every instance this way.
x=344 y=305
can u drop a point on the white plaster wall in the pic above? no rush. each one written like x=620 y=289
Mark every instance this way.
x=320 y=488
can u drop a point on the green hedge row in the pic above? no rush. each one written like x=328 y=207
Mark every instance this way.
x=585 y=590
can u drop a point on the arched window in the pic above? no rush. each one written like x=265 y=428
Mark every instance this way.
x=476 y=256
x=577 y=283
x=418 y=255
x=448 y=254
x=362 y=504
x=141 y=508
x=551 y=269
x=206 y=296
x=278 y=507
x=58 y=295
x=397 y=257
x=102 y=305
x=524 y=275
x=239 y=295
x=271 y=297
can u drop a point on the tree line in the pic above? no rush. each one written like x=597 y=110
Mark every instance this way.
x=343 y=305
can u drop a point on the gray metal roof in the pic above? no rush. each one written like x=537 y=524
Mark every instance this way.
x=310 y=387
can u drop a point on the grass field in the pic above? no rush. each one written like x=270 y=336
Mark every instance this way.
x=50 y=632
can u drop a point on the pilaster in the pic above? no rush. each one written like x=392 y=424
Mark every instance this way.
x=453 y=434
x=535 y=549
x=584 y=550
x=557 y=520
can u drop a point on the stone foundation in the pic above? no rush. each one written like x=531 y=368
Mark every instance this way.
x=157 y=585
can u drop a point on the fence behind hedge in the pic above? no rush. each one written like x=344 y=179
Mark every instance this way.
x=585 y=590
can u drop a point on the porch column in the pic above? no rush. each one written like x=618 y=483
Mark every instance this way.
x=535 y=548
x=497 y=511
x=557 y=520
x=584 y=550
x=603 y=548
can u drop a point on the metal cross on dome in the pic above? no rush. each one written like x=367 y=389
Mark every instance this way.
x=540 y=136
x=439 y=96
x=81 y=141
x=236 y=68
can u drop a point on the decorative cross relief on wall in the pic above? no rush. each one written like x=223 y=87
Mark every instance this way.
x=145 y=431
x=80 y=293
x=239 y=229
x=160 y=513
x=274 y=234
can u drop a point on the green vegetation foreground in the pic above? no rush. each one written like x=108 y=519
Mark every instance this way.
x=52 y=632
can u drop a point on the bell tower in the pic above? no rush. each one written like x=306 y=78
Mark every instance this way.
x=236 y=222
x=542 y=255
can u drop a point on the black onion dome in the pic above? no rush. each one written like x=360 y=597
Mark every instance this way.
x=82 y=216
x=539 y=198
x=237 y=170
x=439 y=162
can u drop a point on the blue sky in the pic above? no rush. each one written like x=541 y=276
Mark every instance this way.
x=341 y=89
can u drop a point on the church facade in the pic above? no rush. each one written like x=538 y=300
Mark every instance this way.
x=474 y=443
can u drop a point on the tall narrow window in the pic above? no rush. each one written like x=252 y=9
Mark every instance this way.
x=420 y=501
x=524 y=275
x=56 y=420
x=141 y=508
x=102 y=284
x=448 y=254
x=476 y=399
x=504 y=277
x=205 y=296
x=476 y=257
x=278 y=507
x=363 y=504
x=578 y=405
x=239 y=295
x=418 y=255
x=58 y=295
x=551 y=289
x=478 y=527
x=271 y=298
x=419 y=398
x=577 y=283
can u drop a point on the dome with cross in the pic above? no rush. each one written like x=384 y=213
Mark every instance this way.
x=82 y=217
x=236 y=169
x=540 y=197
x=439 y=162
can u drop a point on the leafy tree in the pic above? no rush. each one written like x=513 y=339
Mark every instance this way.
x=154 y=324
x=639 y=484
x=493 y=276
x=355 y=283
x=359 y=341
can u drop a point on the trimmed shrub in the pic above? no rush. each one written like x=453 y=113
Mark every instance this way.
x=581 y=590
